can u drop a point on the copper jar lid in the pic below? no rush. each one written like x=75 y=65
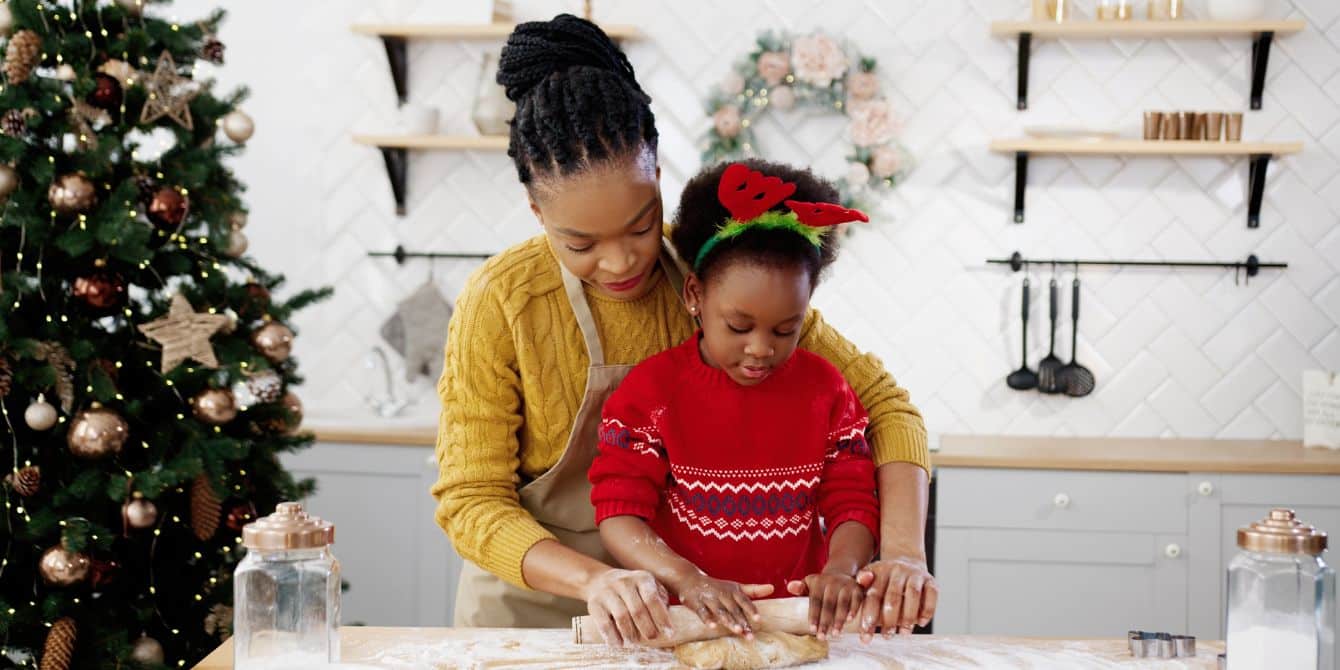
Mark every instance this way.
x=1282 y=533
x=288 y=528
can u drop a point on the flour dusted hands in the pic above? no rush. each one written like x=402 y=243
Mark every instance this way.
x=719 y=602
x=835 y=600
x=628 y=606
x=900 y=594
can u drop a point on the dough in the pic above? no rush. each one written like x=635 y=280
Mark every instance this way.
x=766 y=650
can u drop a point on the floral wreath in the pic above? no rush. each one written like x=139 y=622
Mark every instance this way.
x=810 y=71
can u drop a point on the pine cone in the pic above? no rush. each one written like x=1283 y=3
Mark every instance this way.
x=26 y=481
x=205 y=509
x=212 y=51
x=14 y=123
x=59 y=649
x=25 y=47
x=6 y=377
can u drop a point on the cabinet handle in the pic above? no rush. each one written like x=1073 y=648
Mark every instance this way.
x=1205 y=488
x=1061 y=501
x=1172 y=551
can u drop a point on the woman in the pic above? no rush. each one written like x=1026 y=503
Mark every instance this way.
x=544 y=332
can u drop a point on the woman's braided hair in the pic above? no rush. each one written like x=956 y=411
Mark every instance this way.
x=577 y=101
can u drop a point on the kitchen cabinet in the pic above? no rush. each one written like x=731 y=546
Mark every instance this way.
x=399 y=565
x=1092 y=538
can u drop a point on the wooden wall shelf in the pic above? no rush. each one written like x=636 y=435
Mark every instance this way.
x=395 y=153
x=1261 y=32
x=1259 y=154
x=395 y=36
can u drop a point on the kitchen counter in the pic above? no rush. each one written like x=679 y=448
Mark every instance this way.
x=543 y=649
x=1135 y=455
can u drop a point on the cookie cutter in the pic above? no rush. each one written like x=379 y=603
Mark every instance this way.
x=1144 y=644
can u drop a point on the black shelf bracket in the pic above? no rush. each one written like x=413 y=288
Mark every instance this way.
x=400 y=255
x=397 y=170
x=1260 y=58
x=1256 y=188
x=397 y=56
x=1025 y=50
x=1020 y=184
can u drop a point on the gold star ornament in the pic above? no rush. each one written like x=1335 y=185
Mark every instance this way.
x=184 y=333
x=169 y=95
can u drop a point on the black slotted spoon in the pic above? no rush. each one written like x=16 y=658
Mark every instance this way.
x=1078 y=380
x=1049 y=377
x=1024 y=378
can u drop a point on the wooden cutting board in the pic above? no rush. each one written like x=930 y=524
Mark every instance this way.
x=552 y=649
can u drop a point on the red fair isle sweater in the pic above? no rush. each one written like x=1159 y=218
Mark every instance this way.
x=736 y=478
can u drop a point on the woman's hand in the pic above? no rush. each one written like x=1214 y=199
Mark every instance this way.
x=835 y=600
x=900 y=594
x=723 y=603
x=628 y=606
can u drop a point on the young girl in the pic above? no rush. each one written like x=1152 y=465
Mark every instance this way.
x=734 y=466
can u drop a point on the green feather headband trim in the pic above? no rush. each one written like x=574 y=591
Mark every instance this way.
x=765 y=221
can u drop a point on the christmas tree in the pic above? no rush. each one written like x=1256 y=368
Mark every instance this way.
x=144 y=369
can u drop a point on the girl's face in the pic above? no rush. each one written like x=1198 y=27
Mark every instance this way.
x=604 y=225
x=751 y=317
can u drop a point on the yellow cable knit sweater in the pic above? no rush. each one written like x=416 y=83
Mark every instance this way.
x=515 y=375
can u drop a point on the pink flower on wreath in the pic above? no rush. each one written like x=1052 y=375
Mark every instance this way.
x=773 y=67
x=782 y=97
x=885 y=162
x=727 y=121
x=872 y=123
x=732 y=84
x=862 y=85
x=817 y=59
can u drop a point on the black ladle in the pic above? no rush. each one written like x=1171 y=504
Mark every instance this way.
x=1078 y=379
x=1049 y=368
x=1024 y=378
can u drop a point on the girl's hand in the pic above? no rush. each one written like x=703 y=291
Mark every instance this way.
x=628 y=606
x=835 y=600
x=723 y=603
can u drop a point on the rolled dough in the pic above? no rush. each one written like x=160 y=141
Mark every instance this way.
x=766 y=650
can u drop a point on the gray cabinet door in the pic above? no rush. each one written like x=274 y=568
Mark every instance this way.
x=399 y=564
x=1059 y=583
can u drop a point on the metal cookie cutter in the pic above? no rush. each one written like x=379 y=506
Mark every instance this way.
x=1145 y=644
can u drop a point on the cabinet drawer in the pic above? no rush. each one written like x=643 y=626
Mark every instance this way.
x=1061 y=500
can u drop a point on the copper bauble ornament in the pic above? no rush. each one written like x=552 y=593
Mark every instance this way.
x=6 y=21
x=147 y=651
x=106 y=92
x=237 y=244
x=139 y=513
x=97 y=432
x=239 y=515
x=237 y=126
x=71 y=194
x=9 y=180
x=274 y=340
x=168 y=207
x=132 y=7
x=214 y=406
x=40 y=415
x=61 y=567
x=293 y=404
x=102 y=291
x=237 y=220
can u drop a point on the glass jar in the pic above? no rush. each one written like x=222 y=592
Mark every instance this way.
x=286 y=593
x=1281 y=597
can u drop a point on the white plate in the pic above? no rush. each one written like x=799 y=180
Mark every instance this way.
x=1065 y=132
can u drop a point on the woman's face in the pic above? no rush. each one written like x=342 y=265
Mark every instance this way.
x=604 y=225
x=751 y=317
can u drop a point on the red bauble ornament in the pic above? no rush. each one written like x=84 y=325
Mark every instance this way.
x=256 y=303
x=167 y=208
x=239 y=515
x=103 y=572
x=107 y=92
x=101 y=291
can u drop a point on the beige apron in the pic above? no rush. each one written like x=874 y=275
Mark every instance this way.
x=560 y=499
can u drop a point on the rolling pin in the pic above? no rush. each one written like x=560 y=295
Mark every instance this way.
x=784 y=615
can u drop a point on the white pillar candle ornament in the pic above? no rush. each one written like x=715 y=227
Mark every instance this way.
x=40 y=415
